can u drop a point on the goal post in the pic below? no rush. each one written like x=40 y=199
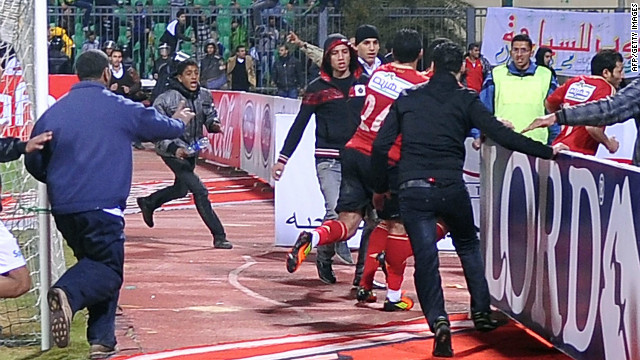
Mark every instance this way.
x=24 y=96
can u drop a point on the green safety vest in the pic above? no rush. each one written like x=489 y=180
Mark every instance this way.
x=520 y=99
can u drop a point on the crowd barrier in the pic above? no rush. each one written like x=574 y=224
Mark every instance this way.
x=562 y=249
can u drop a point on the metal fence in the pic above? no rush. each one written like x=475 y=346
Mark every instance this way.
x=234 y=25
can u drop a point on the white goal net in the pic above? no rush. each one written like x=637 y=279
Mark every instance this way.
x=20 y=318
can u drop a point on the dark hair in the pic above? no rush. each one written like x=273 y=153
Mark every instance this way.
x=91 y=64
x=240 y=46
x=406 y=45
x=540 y=56
x=117 y=49
x=182 y=66
x=522 y=37
x=605 y=59
x=473 y=46
x=180 y=12
x=448 y=57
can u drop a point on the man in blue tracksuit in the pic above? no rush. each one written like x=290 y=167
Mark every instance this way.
x=88 y=168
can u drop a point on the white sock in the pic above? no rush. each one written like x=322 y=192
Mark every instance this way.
x=315 y=239
x=394 y=295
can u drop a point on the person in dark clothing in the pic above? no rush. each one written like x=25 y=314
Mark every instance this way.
x=140 y=34
x=124 y=81
x=162 y=71
x=213 y=70
x=59 y=62
x=336 y=98
x=434 y=120
x=287 y=74
x=174 y=32
x=544 y=55
x=180 y=153
x=88 y=194
x=241 y=70
x=14 y=275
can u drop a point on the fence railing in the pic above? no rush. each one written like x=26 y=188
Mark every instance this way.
x=139 y=34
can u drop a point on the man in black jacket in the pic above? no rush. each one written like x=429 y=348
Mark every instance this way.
x=434 y=120
x=287 y=74
x=336 y=98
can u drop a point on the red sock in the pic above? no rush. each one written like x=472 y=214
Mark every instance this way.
x=331 y=231
x=441 y=230
x=377 y=243
x=398 y=251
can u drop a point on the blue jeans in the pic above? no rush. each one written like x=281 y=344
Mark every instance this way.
x=420 y=208
x=329 y=173
x=86 y=5
x=97 y=241
x=293 y=93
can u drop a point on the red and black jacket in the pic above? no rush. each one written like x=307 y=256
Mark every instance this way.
x=337 y=113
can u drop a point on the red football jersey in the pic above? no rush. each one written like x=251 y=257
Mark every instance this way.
x=578 y=90
x=385 y=85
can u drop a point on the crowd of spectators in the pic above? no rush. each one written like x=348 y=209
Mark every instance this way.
x=219 y=34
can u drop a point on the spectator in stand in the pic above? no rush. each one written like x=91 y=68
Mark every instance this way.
x=67 y=47
x=178 y=153
x=83 y=4
x=241 y=71
x=213 y=72
x=477 y=68
x=520 y=101
x=176 y=7
x=239 y=35
x=164 y=50
x=91 y=43
x=267 y=43
x=124 y=81
x=203 y=33
x=67 y=20
x=606 y=74
x=109 y=27
x=59 y=62
x=87 y=170
x=141 y=30
x=288 y=74
x=258 y=6
x=165 y=67
x=174 y=34
x=14 y=275
x=108 y=47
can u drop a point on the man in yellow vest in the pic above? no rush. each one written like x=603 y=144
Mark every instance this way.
x=516 y=91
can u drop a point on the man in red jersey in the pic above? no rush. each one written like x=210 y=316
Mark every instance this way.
x=385 y=85
x=606 y=74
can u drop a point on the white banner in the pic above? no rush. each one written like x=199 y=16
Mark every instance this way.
x=299 y=203
x=574 y=37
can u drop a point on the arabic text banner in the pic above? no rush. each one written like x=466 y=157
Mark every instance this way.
x=575 y=37
x=562 y=249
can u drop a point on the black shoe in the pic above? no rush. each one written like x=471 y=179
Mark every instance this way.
x=147 y=210
x=138 y=146
x=378 y=285
x=442 y=339
x=301 y=248
x=356 y=281
x=483 y=322
x=325 y=273
x=222 y=243
x=363 y=295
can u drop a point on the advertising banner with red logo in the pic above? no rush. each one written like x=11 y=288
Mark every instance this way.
x=247 y=140
x=15 y=107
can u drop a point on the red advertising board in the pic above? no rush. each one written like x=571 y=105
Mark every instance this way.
x=15 y=107
x=225 y=147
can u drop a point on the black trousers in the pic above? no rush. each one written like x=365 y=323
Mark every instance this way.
x=187 y=180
